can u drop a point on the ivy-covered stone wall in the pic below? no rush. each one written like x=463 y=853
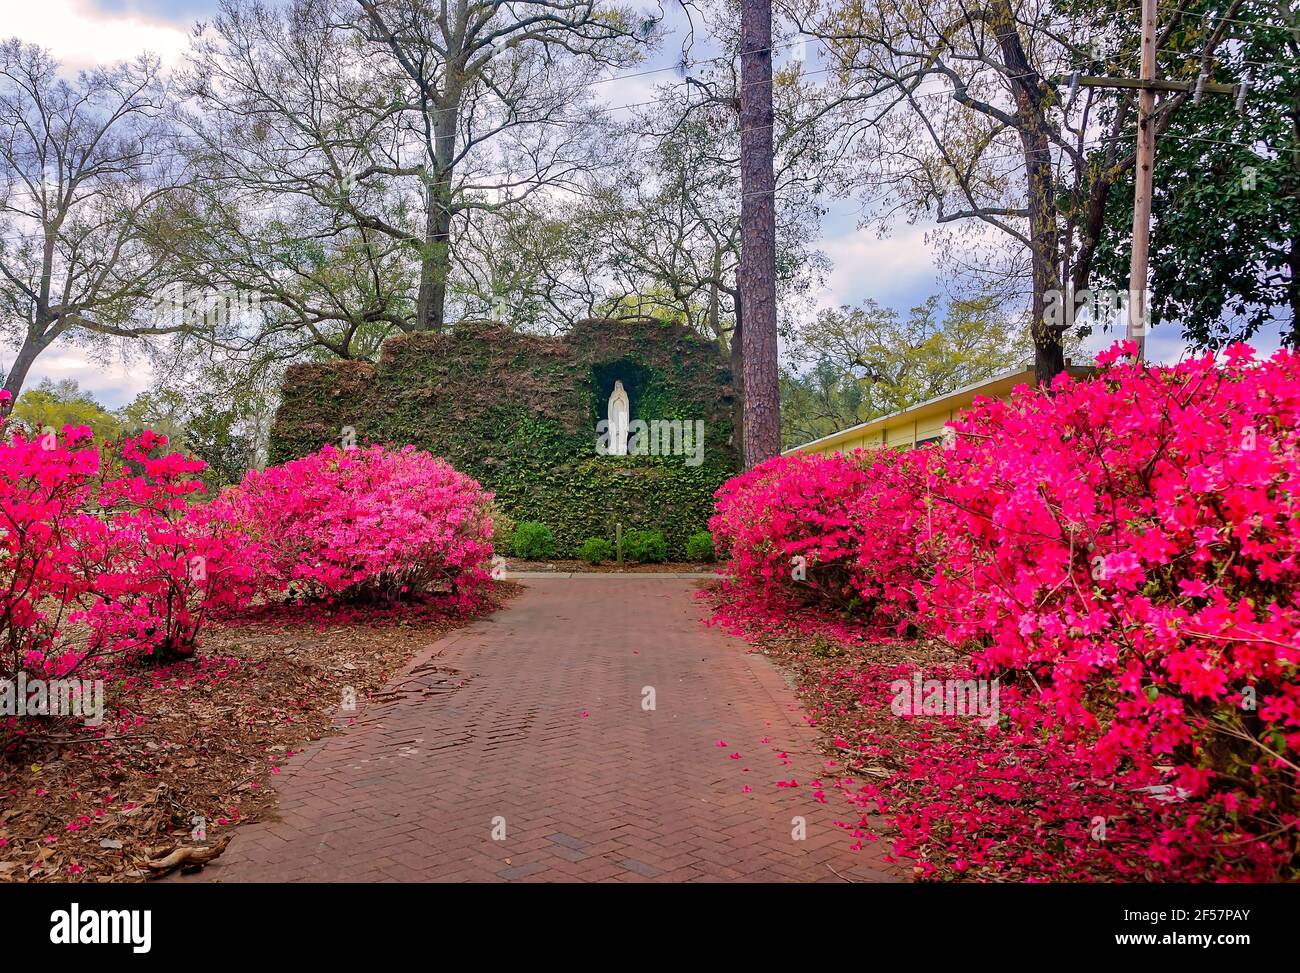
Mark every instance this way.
x=518 y=412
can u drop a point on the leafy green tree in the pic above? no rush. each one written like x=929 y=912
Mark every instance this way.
x=214 y=405
x=198 y=426
x=868 y=361
x=817 y=402
x=54 y=405
x=162 y=411
x=1225 y=251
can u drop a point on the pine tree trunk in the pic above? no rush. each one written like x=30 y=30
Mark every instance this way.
x=738 y=384
x=762 y=401
x=1293 y=254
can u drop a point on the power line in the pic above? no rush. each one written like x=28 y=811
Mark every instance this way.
x=1217 y=19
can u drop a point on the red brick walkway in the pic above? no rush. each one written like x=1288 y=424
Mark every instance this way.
x=549 y=733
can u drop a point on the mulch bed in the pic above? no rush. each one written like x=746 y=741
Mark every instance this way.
x=199 y=739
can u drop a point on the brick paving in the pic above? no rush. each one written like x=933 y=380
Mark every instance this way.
x=532 y=719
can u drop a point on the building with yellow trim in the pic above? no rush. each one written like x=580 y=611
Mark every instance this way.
x=924 y=422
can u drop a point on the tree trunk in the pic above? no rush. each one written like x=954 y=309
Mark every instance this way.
x=738 y=384
x=435 y=258
x=27 y=355
x=1049 y=353
x=424 y=303
x=1293 y=256
x=1044 y=234
x=757 y=277
x=715 y=315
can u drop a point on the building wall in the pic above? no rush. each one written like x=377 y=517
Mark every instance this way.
x=924 y=422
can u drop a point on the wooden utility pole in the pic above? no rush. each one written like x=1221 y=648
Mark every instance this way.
x=1146 y=159
x=1148 y=84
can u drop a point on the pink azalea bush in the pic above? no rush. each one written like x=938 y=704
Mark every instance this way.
x=108 y=550
x=51 y=549
x=104 y=554
x=1130 y=544
x=367 y=523
x=829 y=530
x=174 y=562
x=1122 y=554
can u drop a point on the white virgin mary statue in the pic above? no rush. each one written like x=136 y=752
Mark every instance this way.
x=619 y=414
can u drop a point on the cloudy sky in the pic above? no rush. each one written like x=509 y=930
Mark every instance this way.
x=897 y=271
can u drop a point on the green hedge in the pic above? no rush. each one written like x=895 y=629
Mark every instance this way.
x=532 y=541
x=596 y=550
x=699 y=547
x=518 y=413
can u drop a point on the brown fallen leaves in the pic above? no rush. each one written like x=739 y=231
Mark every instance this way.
x=196 y=749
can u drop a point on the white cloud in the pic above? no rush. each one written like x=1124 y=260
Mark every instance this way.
x=898 y=271
x=113 y=385
x=81 y=36
x=620 y=90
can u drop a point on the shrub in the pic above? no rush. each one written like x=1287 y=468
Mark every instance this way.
x=51 y=548
x=1132 y=545
x=699 y=547
x=173 y=564
x=1123 y=553
x=103 y=553
x=533 y=541
x=367 y=524
x=596 y=550
x=834 y=531
x=645 y=546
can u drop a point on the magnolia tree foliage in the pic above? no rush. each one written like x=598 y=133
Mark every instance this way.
x=1227 y=192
